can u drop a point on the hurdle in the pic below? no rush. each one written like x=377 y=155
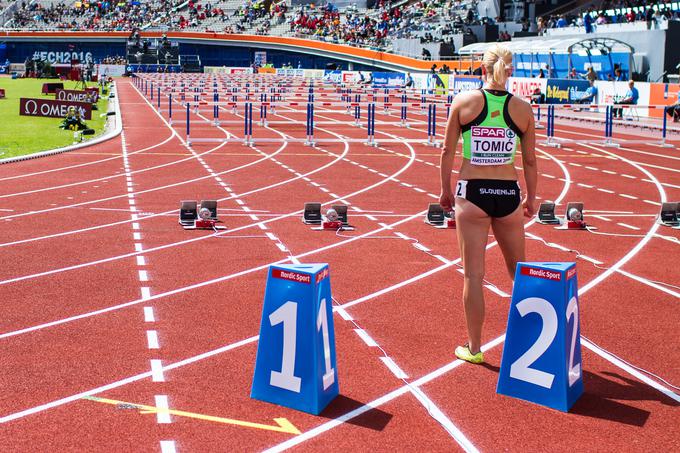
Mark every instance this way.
x=370 y=125
x=432 y=125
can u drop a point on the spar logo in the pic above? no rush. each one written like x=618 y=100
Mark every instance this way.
x=292 y=276
x=489 y=132
x=541 y=273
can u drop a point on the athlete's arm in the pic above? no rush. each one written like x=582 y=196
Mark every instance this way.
x=448 y=153
x=529 y=163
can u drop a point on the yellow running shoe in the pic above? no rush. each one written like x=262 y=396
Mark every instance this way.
x=463 y=353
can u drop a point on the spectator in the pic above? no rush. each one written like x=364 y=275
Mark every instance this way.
x=541 y=74
x=588 y=21
x=674 y=110
x=426 y=54
x=537 y=97
x=408 y=81
x=591 y=75
x=589 y=97
x=630 y=98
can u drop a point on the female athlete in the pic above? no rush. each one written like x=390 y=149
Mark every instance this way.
x=487 y=193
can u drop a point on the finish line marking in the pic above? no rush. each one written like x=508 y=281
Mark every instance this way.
x=282 y=424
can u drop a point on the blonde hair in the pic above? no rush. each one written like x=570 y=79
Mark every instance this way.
x=494 y=63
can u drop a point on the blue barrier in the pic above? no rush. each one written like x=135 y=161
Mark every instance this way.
x=296 y=364
x=542 y=354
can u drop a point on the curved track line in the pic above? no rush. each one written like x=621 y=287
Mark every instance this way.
x=89 y=163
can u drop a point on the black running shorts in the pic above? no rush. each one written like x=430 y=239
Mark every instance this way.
x=496 y=197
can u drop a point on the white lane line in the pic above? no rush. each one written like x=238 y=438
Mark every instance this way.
x=157 y=373
x=591 y=260
x=420 y=247
x=143 y=276
x=587 y=186
x=652 y=202
x=630 y=227
x=601 y=217
x=394 y=368
x=649 y=283
x=605 y=190
x=343 y=313
x=148 y=315
x=496 y=290
x=628 y=176
x=137 y=236
x=592 y=168
x=168 y=446
x=141 y=260
x=138 y=247
x=370 y=342
x=162 y=416
x=271 y=236
x=281 y=247
x=625 y=195
x=609 y=172
x=152 y=339
x=135 y=226
x=146 y=292
x=402 y=235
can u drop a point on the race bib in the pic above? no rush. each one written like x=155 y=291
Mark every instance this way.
x=492 y=145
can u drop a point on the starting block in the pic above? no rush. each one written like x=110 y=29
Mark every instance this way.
x=191 y=218
x=312 y=214
x=335 y=220
x=546 y=214
x=669 y=215
x=296 y=364
x=573 y=218
x=438 y=218
x=542 y=354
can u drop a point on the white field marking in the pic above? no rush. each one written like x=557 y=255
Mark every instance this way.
x=496 y=290
x=324 y=189
x=655 y=203
x=239 y=201
x=609 y=172
x=650 y=283
x=591 y=260
x=281 y=246
x=592 y=168
x=152 y=339
x=138 y=247
x=155 y=364
x=143 y=276
x=146 y=295
x=370 y=342
x=333 y=423
x=548 y=176
x=658 y=167
x=168 y=446
x=148 y=315
x=343 y=314
x=601 y=217
x=333 y=195
x=630 y=227
x=605 y=190
x=647 y=153
x=172 y=134
x=625 y=195
x=630 y=370
x=131 y=195
x=314 y=432
x=157 y=371
x=628 y=176
x=141 y=260
x=587 y=186
x=260 y=189
x=271 y=236
x=672 y=186
x=137 y=236
x=418 y=189
x=575 y=164
x=600 y=211
x=394 y=368
x=384 y=225
x=402 y=235
x=420 y=246
x=135 y=226
x=162 y=416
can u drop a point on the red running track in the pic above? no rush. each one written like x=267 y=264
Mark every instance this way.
x=105 y=294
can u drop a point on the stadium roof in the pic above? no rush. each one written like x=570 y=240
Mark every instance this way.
x=566 y=46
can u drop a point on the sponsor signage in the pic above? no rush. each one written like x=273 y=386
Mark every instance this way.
x=392 y=79
x=52 y=108
x=464 y=84
x=291 y=275
x=77 y=95
x=565 y=91
x=524 y=87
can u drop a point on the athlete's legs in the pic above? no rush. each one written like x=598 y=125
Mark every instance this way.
x=472 y=228
x=509 y=232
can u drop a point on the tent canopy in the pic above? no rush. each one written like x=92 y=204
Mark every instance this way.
x=554 y=46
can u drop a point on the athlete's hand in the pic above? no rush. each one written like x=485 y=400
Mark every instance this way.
x=446 y=201
x=529 y=207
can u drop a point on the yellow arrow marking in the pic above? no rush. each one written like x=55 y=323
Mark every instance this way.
x=284 y=426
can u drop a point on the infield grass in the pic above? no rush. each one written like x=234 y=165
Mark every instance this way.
x=20 y=135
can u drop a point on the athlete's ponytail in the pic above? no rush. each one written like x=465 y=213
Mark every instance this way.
x=496 y=60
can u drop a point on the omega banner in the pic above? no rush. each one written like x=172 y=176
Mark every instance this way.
x=52 y=108
x=77 y=95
